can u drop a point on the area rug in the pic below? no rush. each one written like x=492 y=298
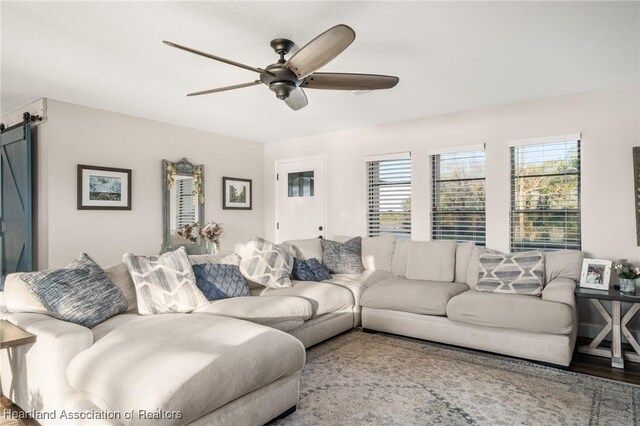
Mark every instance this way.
x=379 y=379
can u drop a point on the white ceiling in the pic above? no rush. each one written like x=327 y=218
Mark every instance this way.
x=449 y=57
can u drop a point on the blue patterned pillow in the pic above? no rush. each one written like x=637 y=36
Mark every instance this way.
x=319 y=270
x=81 y=293
x=217 y=281
x=309 y=270
x=301 y=271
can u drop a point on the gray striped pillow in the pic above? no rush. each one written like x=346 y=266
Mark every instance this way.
x=81 y=293
x=164 y=284
x=515 y=273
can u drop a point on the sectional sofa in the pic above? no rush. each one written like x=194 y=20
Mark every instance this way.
x=238 y=361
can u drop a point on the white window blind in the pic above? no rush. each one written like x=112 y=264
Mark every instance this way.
x=458 y=196
x=545 y=196
x=185 y=202
x=389 y=197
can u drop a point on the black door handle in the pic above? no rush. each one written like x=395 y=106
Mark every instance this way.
x=320 y=228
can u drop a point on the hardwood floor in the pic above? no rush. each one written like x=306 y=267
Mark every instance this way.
x=601 y=367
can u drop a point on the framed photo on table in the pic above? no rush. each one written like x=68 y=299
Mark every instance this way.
x=103 y=188
x=595 y=274
x=237 y=194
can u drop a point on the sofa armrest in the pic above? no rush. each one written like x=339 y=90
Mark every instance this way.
x=34 y=376
x=560 y=290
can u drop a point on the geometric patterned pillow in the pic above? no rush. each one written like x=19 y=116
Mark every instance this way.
x=164 y=284
x=266 y=263
x=343 y=258
x=217 y=281
x=515 y=273
x=81 y=293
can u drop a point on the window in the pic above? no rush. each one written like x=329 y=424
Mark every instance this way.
x=389 y=196
x=458 y=196
x=300 y=184
x=185 y=202
x=545 y=196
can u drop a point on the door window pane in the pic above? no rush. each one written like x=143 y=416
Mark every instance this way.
x=301 y=184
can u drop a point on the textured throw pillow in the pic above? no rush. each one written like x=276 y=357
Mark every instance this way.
x=220 y=259
x=343 y=258
x=266 y=263
x=81 y=293
x=301 y=271
x=220 y=281
x=309 y=270
x=164 y=284
x=515 y=273
x=319 y=270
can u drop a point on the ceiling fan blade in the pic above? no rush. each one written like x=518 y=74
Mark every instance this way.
x=321 y=50
x=214 y=57
x=349 y=81
x=297 y=99
x=224 y=89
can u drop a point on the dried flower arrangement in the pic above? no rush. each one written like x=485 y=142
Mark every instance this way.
x=212 y=231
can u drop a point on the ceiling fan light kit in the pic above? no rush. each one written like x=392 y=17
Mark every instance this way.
x=286 y=78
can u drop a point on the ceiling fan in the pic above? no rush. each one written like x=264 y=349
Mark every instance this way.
x=287 y=77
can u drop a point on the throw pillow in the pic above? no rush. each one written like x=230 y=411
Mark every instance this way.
x=319 y=270
x=301 y=271
x=309 y=270
x=164 y=284
x=266 y=263
x=515 y=273
x=220 y=281
x=81 y=293
x=220 y=259
x=343 y=258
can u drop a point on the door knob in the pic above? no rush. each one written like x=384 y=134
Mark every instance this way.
x=320 y=228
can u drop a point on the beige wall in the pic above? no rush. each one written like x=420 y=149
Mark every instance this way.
x=608 y=120
x=76 y=135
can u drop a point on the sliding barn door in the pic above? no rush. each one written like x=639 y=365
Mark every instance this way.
x=16 y=222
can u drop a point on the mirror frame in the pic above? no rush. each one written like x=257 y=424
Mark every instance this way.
x=180 y=168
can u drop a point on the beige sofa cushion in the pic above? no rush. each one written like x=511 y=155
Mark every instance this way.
x=358 y=283
x=400 y=255
x=512 y=311
x=120 y=276
x=377 y=252
x=310 y=248
x=463 y=256
x=189 y=363
x=323 y=296
x=20 y=298
x=282 y=312
x=417 y=297
x=562 y=264
x=431 y=261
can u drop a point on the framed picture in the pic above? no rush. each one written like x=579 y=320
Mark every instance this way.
x=236 y=193
x=103 y=188
x=595 y=274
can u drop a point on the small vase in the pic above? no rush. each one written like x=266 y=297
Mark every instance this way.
x=627 y=285
x=213 y=247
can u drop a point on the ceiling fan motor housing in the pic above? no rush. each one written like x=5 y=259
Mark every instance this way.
x=280 y=80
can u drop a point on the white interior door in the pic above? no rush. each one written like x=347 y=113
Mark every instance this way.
x=301 y=201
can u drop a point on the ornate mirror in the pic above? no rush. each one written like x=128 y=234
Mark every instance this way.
x=182 y=204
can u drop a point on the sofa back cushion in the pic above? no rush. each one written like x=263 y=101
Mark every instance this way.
x=400 y=255
x=464 y=251
x=514 y=273
x=310 y=248
x=164 y=284
x=562 y=264
x=20 y=298
x=81 y=293
x=343 y=258
x=120 y=276
x=431 y=261
x=377 y=252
